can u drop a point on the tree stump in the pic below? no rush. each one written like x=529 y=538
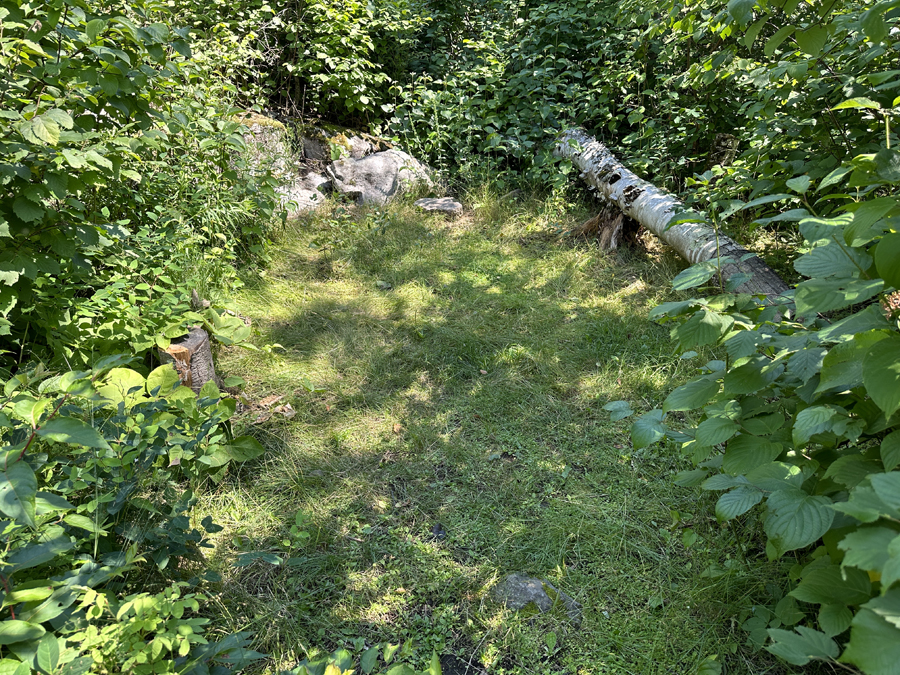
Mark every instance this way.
x=192 y=357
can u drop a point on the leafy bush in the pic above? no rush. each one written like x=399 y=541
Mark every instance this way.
x=110 y=172
x=93 y=482
x=799 y=423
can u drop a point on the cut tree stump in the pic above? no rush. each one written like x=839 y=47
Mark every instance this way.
x=655 y=209
x=192 y=357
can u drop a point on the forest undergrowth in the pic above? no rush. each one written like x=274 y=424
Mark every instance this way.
x=448 y=379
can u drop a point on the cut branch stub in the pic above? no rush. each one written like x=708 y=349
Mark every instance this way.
x=192 y=357
x=655 y=209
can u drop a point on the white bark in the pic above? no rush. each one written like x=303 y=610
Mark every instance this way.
x=654 y=209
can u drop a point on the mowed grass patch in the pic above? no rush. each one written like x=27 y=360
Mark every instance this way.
x=449 y=378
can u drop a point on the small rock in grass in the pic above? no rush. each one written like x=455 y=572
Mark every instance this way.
x=445 y=205
x=518 y=591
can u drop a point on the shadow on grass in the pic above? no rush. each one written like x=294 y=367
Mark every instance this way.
x=456 y=435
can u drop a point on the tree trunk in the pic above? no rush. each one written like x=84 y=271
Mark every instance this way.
x=655 y=209
x=192 y=357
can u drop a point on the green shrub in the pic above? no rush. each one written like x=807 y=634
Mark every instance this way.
x=96 y=482
x=799 y=423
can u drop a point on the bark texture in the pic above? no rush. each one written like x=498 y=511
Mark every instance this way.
x=654 y=209
x=192 y=357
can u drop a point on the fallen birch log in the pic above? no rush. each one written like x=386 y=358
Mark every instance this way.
x=654 y=209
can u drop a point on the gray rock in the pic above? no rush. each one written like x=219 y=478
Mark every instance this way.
x=443 y=205
x=378 y=178
x=518 y=591
x=360 y=147
x=316 y=149
x=306 y=191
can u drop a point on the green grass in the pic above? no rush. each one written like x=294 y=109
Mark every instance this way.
x=469 y=398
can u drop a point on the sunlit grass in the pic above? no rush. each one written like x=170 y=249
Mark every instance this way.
x=450 y=431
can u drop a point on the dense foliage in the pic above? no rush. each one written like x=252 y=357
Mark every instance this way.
x=124 y=184
x=800 y=416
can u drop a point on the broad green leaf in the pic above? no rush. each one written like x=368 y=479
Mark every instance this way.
x=753 y=31
x=887 y=487
x=13 y=631
x=834 y=619
x=866 y=506
x=690 y=477
x=40 y=130
x=368 y=660
x=722 y=481
x=873 y=23
x=796 y=519
x=715 y=430
x=890 y=450
x=851 y=470
x=867 y=548
x=834 y=177
x=887 y=165
x=887 y=607
x=27 y=210
x=703 y=328
x=799 y=648
x=122 y=384
x=812 y=40
x=758 y=373
x=871 y=318
x=244 y=448
x=745 y=453
x=788 y=612
x=833 y=259
x=694 y=394
x=741 y=343
x=44 y=551
x=866 y=218
x=161 y=381
x=94 y=28
x=741 y=10
x=842 y=367
x=737 y=502
x=763 y=425
x=800 y=184
x=35 y=594
x=824 y=295
x=806 y=362
x=648 y=429
x=858 y=102
x=693 y=276
x=775 y=476
x=874 y=644
x=618 y=410
x=775 y=41
x=47 y=656
x=72 y=431
x=833 y=585
x=59 y=117
x=18 y=486
x=811 y=421
x=887 y=259
x=881 y=374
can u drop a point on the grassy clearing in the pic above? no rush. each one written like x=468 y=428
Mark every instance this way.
x=450 y=431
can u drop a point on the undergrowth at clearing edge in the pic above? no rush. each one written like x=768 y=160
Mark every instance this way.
x=450 y=430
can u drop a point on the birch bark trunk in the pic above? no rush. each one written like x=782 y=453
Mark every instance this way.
x=654 y=209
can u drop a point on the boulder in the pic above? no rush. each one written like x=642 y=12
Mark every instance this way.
x=445 y=205
x=378 y=178
x=307 y=192
x=518 y=591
